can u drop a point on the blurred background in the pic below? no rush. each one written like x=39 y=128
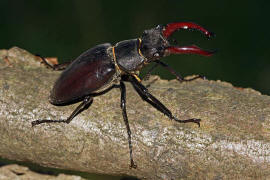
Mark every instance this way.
x=65 y=29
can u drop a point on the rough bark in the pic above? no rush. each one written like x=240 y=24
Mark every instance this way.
x=232 y=142
x=14 y=171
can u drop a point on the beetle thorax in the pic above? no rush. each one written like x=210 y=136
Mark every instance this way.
x=128 y=57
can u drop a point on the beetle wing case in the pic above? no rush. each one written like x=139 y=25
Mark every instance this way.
x=89 y=72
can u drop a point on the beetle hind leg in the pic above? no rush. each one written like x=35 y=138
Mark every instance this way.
x=83 y=106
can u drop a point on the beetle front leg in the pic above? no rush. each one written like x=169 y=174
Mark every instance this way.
x=148 y=73
x=146 y=96
x=178 y=76
x=166 y=66
x=123 y=107
x=83 y=106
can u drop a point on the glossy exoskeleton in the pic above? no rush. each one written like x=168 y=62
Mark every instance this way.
x=104 y=67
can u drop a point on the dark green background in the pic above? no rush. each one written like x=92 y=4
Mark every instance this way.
x=65 y=29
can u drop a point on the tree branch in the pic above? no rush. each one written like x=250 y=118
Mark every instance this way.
x=232 y=142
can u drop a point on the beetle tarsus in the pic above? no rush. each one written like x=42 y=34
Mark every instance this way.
x=40 y=121
x=193 y=120
x=133 y=165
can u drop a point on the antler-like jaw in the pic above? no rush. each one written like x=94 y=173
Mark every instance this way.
x=169 y=29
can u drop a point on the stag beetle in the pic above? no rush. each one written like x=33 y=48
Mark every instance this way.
x=105 y=67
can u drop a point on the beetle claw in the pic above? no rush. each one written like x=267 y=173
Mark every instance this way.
x=193 y=49
x=172 y=27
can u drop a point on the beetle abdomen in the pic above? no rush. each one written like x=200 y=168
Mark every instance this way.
x=89 y=72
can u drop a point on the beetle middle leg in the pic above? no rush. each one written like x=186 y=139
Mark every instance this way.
x=146 y=96
x=88 y=100
x=123 y=107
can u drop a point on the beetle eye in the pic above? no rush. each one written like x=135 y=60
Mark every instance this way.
x=156 y=55
x=144 y=33
x=158 y=27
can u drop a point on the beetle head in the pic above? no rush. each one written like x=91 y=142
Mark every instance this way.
x=155 y=43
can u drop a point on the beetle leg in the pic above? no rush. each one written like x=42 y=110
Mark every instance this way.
x=83 y=106
x=178 y=76
x=55 y=67
x=148 y=73
x=146 y=96
x=123 y=107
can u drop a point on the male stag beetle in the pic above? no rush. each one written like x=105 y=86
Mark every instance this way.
x=105 y=67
